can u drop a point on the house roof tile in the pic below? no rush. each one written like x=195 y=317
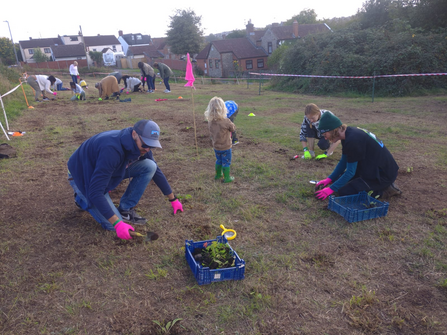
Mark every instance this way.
x=204 y=53
x=240 y=47
x=159 y=42
x=257 y=35
x=306 y=29
x=71 y=50
x=145 y=39
x=150 y=50
x=284 y=32
x=40 y=42
x=100 y=40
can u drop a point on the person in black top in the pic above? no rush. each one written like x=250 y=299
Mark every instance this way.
x=365 y=164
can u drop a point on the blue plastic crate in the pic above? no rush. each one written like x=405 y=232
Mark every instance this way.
x=207 y=275
x=355 y=207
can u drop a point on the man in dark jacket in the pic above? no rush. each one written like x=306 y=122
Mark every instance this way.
x=104 y=160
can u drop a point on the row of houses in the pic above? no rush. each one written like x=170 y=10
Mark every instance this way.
x=220 y=58
x=77 y=47
x=223 y=58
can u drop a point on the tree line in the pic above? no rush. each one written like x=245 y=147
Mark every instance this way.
x=384 y=37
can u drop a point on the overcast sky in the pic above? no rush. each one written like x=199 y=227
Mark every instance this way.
x=42 y=20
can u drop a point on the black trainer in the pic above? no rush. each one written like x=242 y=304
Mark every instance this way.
x=132 y=217
x=79 y=206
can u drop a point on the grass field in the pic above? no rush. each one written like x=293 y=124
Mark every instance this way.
x=308 y=271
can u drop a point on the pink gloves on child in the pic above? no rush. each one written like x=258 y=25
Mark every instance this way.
x=122 y=230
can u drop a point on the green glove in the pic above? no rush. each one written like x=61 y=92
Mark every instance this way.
x=323 y=156
x=307 y=155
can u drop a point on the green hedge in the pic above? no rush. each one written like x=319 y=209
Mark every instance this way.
x=356 y=52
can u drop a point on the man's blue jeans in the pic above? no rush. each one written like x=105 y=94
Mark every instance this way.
x=150 y=82
x=141 y=173
x=166 y=82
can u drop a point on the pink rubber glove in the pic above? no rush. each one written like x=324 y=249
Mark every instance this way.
x=324 y=193
x=122 y=230
x=323 y=183
x=176 y=205
x=54 y=93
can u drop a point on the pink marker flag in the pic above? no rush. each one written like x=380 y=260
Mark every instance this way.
x=189 y=77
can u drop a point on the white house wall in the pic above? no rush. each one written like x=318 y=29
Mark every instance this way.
x=99 y=48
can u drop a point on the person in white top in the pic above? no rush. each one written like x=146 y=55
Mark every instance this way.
x=57 y=86
x=131 y=84
x=74 y=72
x=41 y=84
x=78 y=92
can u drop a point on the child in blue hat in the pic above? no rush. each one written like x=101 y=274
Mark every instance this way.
x=232 y=110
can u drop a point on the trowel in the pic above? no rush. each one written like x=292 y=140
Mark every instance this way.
x=150 y=236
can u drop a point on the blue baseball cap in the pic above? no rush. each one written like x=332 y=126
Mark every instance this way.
x=149 y=132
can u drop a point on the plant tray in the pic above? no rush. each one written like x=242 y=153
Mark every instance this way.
x=356 y=207
x=206 y=275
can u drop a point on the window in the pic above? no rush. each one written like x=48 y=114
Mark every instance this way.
x=30 y=51
x=269 y=47
x=114 y=47
x=94 y=49
x=211 y=63
x=73 y=38
x=260 y=63
x=47 y=50
x=249 y=64
x=217 y=63
x=139 y=37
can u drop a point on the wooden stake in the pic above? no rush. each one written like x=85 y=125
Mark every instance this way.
x=194 y=117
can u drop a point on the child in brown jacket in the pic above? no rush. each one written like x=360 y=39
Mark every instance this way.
x=220 y=129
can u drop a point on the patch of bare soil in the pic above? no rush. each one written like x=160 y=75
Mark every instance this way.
x=308 y=271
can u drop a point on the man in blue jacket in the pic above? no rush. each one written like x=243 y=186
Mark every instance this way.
x=104 y=160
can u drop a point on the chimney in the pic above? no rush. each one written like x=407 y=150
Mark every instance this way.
x=295 y=28
x=30 y=38
x=250 y=27
x=120 y=33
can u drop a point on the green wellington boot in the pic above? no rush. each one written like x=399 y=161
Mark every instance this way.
x=218 y=172
x=227 y=177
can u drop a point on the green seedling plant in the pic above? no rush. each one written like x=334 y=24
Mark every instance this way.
x=161 y=273
x=166 y=328
x=217 y=256
x=184 y=197
x=371 y=204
